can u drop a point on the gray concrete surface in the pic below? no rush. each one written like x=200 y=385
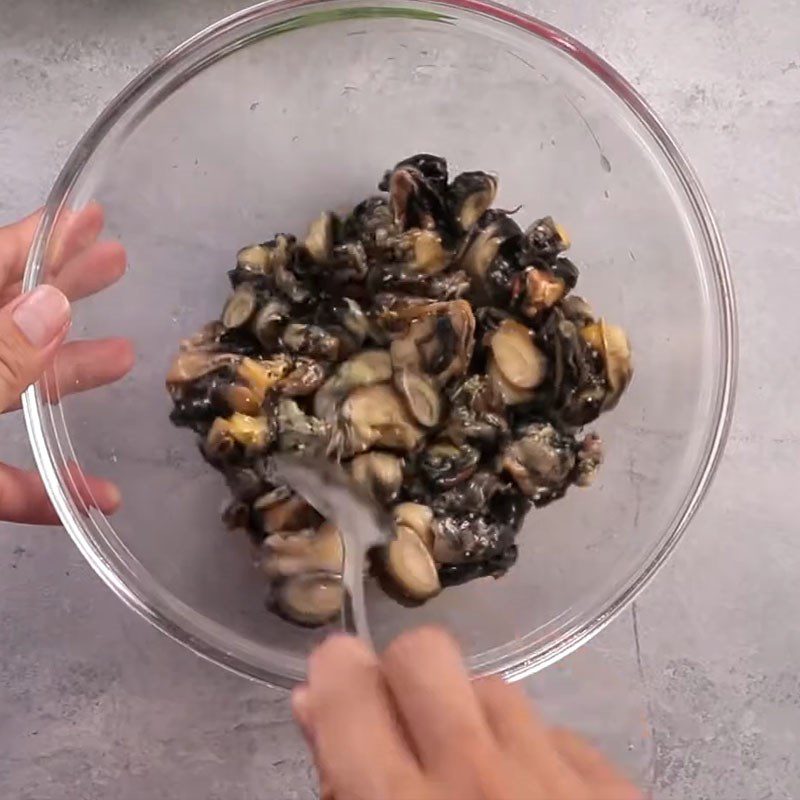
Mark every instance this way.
x=696 y=688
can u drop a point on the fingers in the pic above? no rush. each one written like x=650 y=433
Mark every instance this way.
x=302 y=714
x=92 y=270
x=23 y=497
x=32 y=327
x=436 y=701
x=85 y=274
x=593 y=767
x=508 y=711
x=366 y=720
x=582 y=756
x=353 y=724
x=523 y=735
x=81 y=366
x=74 y=232
x=15 y=241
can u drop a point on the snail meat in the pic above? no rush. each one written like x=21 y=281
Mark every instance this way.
x=434 y=345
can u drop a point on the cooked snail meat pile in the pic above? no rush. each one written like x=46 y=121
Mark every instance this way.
x=430 y=343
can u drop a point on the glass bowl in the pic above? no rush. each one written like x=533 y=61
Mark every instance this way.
x=288 y=108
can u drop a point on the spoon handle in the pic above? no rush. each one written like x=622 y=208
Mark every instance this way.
x=362 y=524
x=354 y=612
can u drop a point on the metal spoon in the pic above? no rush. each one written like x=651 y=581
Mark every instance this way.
x=328 y=488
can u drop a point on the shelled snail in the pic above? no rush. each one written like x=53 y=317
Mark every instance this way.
x=429 y=343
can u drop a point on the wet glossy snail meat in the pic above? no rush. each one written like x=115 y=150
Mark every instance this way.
x=432 y=343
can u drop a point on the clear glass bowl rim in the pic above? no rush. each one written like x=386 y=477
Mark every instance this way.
x=512 y=667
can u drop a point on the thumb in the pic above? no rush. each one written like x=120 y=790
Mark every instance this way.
x=31 y=329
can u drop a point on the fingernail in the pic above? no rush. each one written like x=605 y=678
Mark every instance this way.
x=113 y=498
x=42 y=315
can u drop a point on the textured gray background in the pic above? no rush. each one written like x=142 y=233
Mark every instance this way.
x=695 y=689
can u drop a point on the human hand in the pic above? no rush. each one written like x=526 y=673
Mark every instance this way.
x=33 y=328
x=410 y=725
